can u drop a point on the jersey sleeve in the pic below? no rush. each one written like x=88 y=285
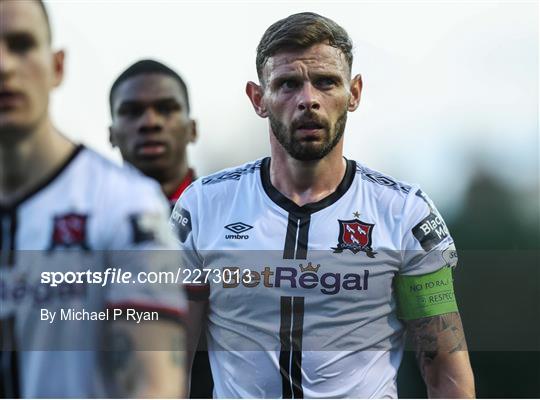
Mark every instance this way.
x=427 y=245
x=143 y=245
x=184 y=222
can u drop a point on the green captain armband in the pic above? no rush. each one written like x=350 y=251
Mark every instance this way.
x=420 y=296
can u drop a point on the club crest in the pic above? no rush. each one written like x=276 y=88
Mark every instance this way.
x=69 y=231
x=355 y=235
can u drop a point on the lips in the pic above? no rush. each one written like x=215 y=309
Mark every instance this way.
x=310 y=126
x=150 y=149
x=10 y=99
x=309 y=121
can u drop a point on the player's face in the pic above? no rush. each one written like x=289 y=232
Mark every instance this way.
x=28 y=69
x=151 y=126
x=307 y=95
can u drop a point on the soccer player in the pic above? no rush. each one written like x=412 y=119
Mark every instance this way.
x=354 y=258
x=151 y=127
x=64 y=209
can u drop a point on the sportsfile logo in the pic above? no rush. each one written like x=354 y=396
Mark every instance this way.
x=237 y=228
x=304 y=277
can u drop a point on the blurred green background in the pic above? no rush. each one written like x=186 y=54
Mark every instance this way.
x=497 y=285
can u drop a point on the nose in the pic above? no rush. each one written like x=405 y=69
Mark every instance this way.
x=150 y=121
x=307 y=99
x=7 y=62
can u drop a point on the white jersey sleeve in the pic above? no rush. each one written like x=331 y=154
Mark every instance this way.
x=142 y=243
x=140 y=221
x=427 y=245
x=184 y=224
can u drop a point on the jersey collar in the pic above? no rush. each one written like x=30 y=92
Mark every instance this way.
x=183 y=185
x=290 y=206
x=46 y=182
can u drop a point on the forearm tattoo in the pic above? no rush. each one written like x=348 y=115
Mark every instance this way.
x=118 y=359
x=436 y=335
x=177 y=355
x=120 y=346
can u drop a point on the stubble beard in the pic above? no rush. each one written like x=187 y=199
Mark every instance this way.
x=307 y=151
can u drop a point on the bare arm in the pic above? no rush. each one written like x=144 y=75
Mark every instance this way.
x=146 y=360
x=441 y=352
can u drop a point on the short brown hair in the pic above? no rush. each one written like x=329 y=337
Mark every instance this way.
x=300 y=31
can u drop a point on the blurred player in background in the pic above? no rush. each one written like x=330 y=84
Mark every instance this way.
x=356 y=257
x=151 y=127
x=61 y=201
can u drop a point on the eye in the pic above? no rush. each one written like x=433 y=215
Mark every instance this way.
x=131 y=110
x=289 y=84
x=325 y=83
x=167 y=108
x=21 y=43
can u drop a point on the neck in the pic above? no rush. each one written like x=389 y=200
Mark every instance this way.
x=169 y=186
x=26 y=163
x=306 y=182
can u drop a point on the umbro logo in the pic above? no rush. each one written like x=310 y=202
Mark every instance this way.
x=237 y=228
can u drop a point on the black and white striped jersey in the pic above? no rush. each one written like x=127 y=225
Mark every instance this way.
x=89 y=215
x=304 y=305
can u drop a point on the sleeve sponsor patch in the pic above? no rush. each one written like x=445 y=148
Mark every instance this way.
x=181 y=223
x=450 y=256
x=430 y=231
